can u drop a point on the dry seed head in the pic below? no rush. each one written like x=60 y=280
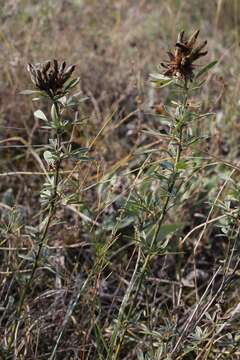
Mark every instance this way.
x=181 y=61
x=50 y=76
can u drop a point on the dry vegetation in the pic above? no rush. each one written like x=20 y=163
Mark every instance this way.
x=135 y=253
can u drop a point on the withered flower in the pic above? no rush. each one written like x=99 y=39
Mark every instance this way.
x=50 y=76
x=183 y=57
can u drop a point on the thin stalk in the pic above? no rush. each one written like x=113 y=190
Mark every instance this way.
x=42 y=240
x=158 y=228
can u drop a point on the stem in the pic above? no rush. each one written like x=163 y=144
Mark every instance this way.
x=42 y=241
x=159 y=225
x=170 y=189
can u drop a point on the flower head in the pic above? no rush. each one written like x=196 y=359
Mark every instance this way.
x=50 y=76
x=183 y=57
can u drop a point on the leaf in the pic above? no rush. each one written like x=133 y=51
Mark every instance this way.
x=100 y=339
x=8 y=198
x=30 y=92
x=153 y=133
x=54 y=115
x=122 y=224
x=43 y=224
x=140 y=355
x=63 y=100
x=71 y=84
x=206 y=68
x=30 y=257
x=40 y=115
x=82 y=150
x=48 y=156
x=158 y=176
x=159 y=80
x=168 y=229
x=181 y=165
x=167 y=165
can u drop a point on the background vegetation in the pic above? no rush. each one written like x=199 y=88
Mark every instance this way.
x=83 y=302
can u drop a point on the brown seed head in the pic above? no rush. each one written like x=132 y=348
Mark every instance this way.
x=185 y=54
x=50 y=76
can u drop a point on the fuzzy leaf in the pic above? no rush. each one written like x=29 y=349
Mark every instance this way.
x=40 y=115
x=54 y=115
x=167 y=165
x=159 y=80
x=71 y=84
x=48 y=156
x=30 y=92
x=206 y=68
x=168 y=229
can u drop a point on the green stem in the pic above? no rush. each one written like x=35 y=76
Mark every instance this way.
x=42 y=241
x=158 y=228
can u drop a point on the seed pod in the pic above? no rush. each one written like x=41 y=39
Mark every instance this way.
x=182 y=59
x=50 y=77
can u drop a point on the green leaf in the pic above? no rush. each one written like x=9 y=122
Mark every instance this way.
x=30 y=257
x=8 y=198
x=54 y=116
x=159 y=80
x=168 y=229
x=158 y=176
x=31 y=92
x=206 y=69
x=181 y=165
x=63 y=100
x=40 y=115
x=123 y=224
x=153 y=133
x=140 y=355
x=48 y=156
x=100 y=339
x=167 y=165
x=79 y=152
x=71 y=84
